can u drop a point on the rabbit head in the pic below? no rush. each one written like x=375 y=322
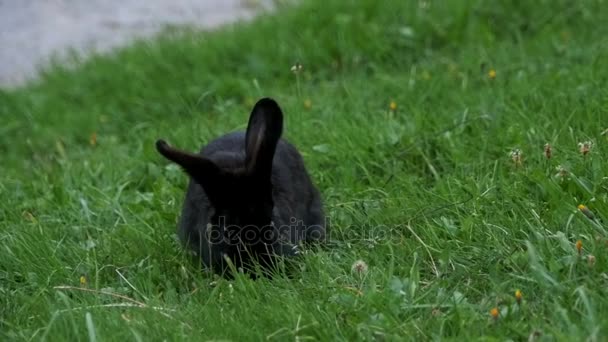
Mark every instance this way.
x=238 y=187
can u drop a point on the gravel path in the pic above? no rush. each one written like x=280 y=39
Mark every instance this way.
x=31 y=31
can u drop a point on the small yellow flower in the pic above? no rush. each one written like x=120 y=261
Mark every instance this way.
x=518 y=296
x=93 y=139
x=492 y=74
x=583 y=208
x=579 y=246
x=307 y=104
x=83 y=280
x=494 y=313
x=393 y=106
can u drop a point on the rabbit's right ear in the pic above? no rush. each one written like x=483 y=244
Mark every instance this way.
x=263 y=133
x=202 y=170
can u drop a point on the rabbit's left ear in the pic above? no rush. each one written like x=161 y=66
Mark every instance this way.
x=202 y=170
x=263 y=133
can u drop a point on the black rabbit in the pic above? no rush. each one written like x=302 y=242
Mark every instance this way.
x=250 y=197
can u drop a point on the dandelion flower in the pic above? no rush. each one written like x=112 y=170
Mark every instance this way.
x=494 y=313
x=359 y=267
x=307 y=104
x=393 y=106
x=518 y=296
x=93 y=139
x=583 y=208
x=492 y=74
x=579 y=246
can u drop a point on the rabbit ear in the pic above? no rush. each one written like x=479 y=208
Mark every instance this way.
x=263 y=133
x=201 y=169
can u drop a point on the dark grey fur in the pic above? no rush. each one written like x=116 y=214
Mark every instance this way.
x=251 y=179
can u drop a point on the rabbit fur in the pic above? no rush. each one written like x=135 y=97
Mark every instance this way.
x=250 y=197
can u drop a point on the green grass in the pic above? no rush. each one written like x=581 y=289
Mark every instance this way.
x=427 y=195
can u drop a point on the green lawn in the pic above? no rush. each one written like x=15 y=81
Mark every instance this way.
x=428 y=194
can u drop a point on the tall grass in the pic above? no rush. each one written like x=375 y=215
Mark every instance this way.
x=426 y=191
